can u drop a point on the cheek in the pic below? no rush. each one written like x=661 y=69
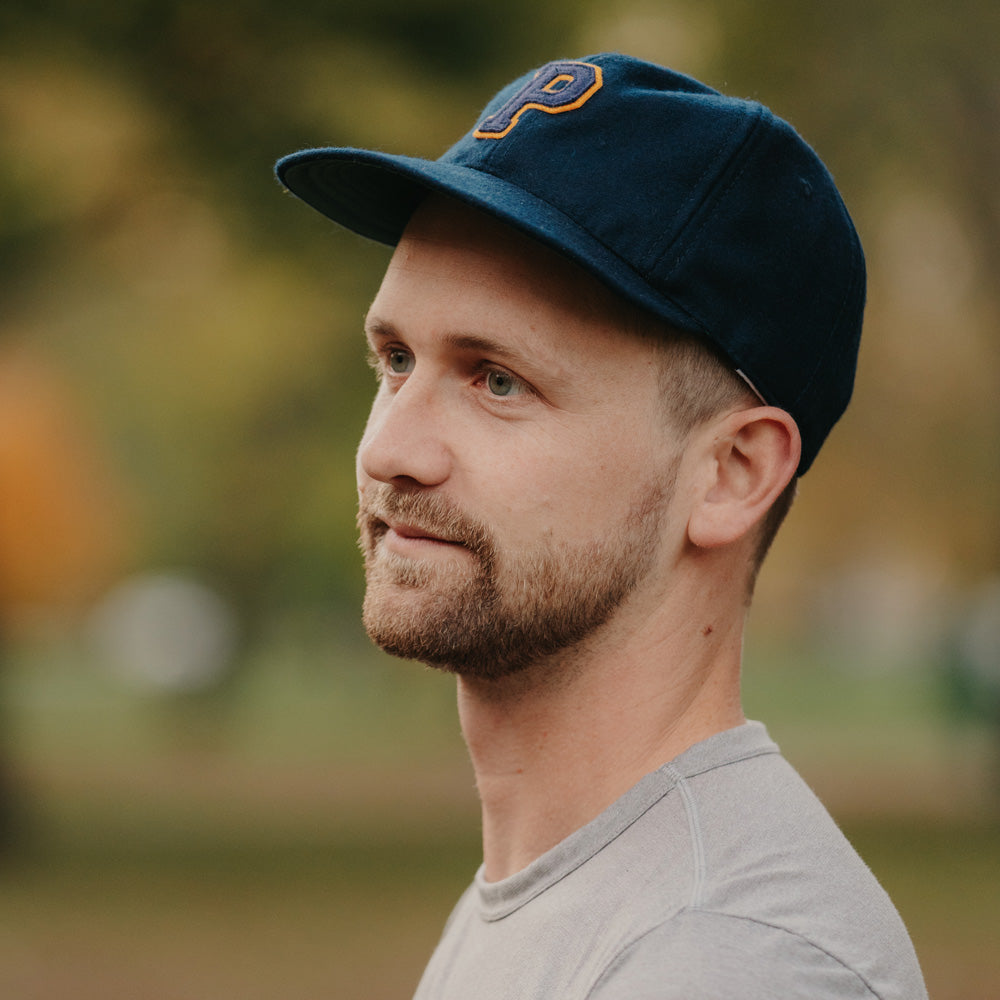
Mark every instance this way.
x=573 y=492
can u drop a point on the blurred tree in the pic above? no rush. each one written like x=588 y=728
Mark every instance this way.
x=234 y=79
x=138 y=147
x=62 y=519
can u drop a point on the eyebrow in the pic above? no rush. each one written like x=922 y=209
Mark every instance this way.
x=383 y=329
x=484 y=345
x=375 y=327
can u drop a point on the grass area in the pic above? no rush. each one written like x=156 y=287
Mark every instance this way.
x=212 y=920
x=306 y=833
x=356 y=918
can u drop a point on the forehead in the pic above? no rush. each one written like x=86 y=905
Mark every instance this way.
x=460 y=266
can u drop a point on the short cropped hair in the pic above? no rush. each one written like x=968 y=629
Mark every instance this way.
x=698 y=384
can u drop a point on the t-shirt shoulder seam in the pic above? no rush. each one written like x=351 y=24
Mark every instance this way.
x=714 y=765
x=741 y=918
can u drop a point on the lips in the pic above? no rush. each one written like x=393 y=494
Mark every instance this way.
x=416 y=533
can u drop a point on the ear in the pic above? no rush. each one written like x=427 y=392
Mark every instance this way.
x=749 y=458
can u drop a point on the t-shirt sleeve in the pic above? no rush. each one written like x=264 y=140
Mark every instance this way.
x=700 y=955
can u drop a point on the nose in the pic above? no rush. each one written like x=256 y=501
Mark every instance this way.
x=404 y=441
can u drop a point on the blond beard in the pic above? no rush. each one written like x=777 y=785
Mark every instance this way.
x=496 y=613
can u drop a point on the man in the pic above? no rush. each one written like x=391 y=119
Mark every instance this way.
x=621 y=317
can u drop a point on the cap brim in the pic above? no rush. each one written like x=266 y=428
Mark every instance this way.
x=374 y=194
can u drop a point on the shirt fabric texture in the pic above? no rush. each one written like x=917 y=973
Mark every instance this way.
x=720 y=875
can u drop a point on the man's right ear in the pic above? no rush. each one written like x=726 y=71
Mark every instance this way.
x=749 y=458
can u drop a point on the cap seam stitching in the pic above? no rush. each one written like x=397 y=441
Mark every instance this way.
x=687 y=236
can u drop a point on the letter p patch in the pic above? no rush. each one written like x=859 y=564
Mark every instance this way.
x=557 y=87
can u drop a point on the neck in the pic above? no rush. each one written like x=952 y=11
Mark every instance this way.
x=554 y=746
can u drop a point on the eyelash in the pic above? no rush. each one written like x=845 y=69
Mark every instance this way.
x=378 y=360
x=485 y=370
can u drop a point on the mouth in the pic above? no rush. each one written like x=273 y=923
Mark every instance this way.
x=412 y=540
x=414 y=533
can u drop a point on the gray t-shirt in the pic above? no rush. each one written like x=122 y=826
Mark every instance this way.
x=718 y=876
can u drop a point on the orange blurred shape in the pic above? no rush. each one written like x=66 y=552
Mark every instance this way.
x=63 y=528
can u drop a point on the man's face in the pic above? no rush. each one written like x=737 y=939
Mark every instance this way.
x=517 y=464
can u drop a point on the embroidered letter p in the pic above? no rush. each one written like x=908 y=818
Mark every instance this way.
x=557 y=87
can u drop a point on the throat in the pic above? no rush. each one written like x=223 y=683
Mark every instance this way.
x=542 y=768
x=551 y=754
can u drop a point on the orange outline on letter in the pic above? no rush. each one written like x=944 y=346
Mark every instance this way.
x=579 y=102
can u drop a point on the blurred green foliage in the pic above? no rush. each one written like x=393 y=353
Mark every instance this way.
x=210 y=321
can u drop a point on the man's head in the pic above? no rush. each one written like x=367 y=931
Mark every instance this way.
x=513 y=475
x=611 y=236
x=537 y=462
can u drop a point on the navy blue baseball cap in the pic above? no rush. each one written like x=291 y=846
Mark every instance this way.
x=708 y=211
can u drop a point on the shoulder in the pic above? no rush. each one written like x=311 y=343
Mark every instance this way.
x=708 y=955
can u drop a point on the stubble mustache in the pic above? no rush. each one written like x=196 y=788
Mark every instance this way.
x=431 y=513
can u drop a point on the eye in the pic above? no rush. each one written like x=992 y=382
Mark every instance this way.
x=501 y=383
x=399 y=362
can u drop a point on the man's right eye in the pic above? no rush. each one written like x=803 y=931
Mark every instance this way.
x=399 y=362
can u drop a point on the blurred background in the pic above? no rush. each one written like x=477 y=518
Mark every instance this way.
x=210 y=785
